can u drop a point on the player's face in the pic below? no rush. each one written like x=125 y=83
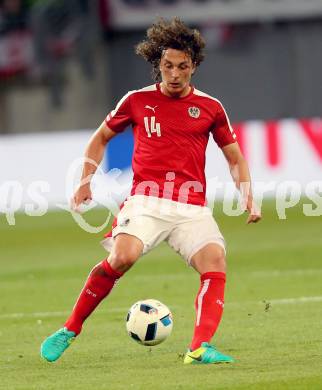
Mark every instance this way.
x=176 y=70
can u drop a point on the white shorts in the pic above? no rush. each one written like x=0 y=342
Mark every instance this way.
x=186 y=228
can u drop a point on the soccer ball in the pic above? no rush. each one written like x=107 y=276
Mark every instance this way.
x=149 y=322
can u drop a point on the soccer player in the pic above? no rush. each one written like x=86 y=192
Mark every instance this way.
x=171 y=122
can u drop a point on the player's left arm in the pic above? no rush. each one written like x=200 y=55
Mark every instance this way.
x=240 y=173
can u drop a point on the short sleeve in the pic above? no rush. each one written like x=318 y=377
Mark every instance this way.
x=121 y=117
x=222 y=131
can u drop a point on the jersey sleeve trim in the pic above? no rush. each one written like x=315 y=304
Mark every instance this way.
x=228 y=121
x=113 y=112
x=119 y=124
x=203 y=94
x=115 y=125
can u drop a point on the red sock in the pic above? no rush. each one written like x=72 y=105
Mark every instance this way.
x=209 y=306
x=98 y=285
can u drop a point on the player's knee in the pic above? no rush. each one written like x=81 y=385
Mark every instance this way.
x=122 y=260
x=219 y=260
x=211 y=260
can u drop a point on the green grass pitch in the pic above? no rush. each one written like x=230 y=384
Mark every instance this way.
x=273 y=332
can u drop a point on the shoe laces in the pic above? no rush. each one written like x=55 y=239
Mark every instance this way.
x=62 y=338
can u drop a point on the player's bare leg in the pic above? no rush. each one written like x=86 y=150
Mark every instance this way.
x=211 y=258
x=210 y=263
x=126 y=251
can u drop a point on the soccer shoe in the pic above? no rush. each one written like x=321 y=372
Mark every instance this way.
x=54 y=346
x=206 y=354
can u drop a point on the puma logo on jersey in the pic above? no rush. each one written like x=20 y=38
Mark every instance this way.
x=151 y=108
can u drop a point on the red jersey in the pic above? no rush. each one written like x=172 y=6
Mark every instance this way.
x=170 y=140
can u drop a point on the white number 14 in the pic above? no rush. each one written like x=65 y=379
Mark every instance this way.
x=154 y=128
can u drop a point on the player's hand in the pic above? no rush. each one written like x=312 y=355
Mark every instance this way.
x=83 y=194
x=254 y=212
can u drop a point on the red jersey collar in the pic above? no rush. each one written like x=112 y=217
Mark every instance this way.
x=169 y=97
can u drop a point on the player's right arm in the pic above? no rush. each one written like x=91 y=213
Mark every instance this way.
x=93 y=156
x=115 y=122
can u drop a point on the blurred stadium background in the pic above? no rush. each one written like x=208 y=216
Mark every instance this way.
x=63 y=66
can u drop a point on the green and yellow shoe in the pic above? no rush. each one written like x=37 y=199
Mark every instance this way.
x=206 y=354
x=54 y=346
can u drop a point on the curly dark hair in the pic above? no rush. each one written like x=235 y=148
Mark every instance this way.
x=172 y=34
